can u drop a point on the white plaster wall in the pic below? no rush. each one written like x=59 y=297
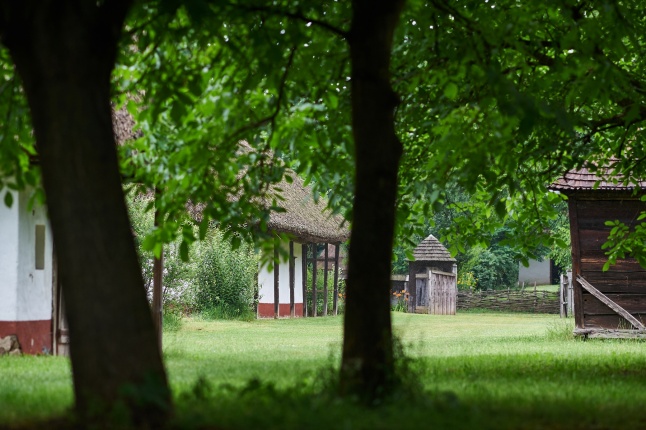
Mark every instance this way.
x=266 y=278
x=8 y=258
x=538 y=271
x=34 y=293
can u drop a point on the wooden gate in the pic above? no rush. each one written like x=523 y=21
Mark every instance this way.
x=442 y=293
x=436 y=292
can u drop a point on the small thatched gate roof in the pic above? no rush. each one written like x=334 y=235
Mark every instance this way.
x=431 y=249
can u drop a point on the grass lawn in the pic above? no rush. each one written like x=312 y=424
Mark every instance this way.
x=478 y=371
x=550 y=288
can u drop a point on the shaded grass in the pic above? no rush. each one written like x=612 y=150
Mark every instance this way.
x=484 y=371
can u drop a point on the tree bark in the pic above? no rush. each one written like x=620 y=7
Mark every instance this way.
x=64 y=52
x=367 y=367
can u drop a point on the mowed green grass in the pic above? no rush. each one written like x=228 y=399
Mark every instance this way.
x=479 y=371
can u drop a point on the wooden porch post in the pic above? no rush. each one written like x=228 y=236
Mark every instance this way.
x=325 y=292
x=304 y=248
x=292 y=280
x=276 y=278
x=335 y=302
x=315 y=264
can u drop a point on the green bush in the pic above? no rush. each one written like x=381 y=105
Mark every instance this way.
x=493 y=268
x=171 y=320
x=217 y=281
x=225 y=279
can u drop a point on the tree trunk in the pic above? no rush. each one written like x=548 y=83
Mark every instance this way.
x=367 y=368
x=64 y=52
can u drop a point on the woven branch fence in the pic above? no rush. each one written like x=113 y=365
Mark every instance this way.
x=530 y=301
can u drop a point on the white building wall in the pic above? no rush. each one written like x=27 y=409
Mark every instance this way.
x=266 y=278
x=8 y=258
x=34 y=295
x=537 y=271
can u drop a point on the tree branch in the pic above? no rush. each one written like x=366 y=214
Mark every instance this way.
x=299 y=16
x=270 y=119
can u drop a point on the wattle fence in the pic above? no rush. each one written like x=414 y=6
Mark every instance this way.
x=530 y=301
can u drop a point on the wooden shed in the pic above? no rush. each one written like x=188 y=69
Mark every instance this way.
x=432 y=285
x=611 y=303
x=283 y=289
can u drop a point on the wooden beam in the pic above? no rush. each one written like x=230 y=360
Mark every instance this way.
x=304 y=279
x=325 y=267
x=314 y=270
x=335 y=301
x=612 y=305
x=576 y=262
x=276 y=278
x=292 y=280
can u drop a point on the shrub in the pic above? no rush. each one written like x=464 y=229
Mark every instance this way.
x=466 y=280
x=225 y=279
x=217 y=280
x=493 y=268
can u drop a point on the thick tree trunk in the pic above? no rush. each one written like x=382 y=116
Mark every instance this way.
x=367 y=368
x=64 y=52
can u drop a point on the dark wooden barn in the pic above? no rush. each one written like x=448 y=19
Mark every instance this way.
x=611 y=303
x=432 y=285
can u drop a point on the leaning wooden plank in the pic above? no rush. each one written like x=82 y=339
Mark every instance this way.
x=612 y=305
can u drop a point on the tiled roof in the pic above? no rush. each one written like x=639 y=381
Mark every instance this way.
x=432 y=250
x=585 y=180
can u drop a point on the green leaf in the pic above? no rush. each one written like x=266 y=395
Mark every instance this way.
x=183 y=250
x=204 y=228
x=451 y=91
x=8 y=199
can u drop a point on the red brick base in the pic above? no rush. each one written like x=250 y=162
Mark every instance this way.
x=35 y=337
x=266 y=310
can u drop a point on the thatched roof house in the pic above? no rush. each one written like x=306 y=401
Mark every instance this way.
x=307 y=220
x=603 y=301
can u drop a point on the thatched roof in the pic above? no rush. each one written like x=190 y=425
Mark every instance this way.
x=603 y=179
x=123 y=124
x=432 y=250
x=305 y=219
